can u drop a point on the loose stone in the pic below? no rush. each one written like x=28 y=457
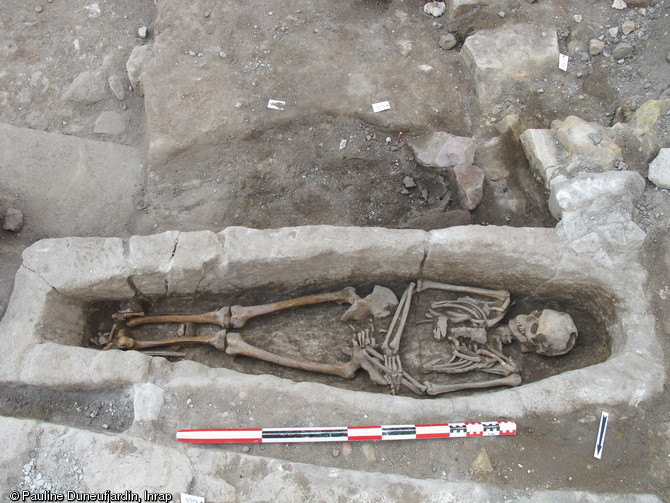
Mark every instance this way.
x=143 y=32
x=38 y=9
x=117 y=86
x=88 y=87
x=110 y=123
x=435 y=9
x=13 y=220
x=619 y=4
x=409 y=182
x=622 y=50
x=628 y=27
x=659 y=169
x=596 y=47
x=447 y=41
x=482 y=464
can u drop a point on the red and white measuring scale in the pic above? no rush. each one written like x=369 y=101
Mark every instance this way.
x=348 y=433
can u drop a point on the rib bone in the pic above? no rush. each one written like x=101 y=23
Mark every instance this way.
x=438 y=389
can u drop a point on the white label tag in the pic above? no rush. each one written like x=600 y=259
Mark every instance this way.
x=381 y=106
x=600 y=441
x=276 y=104
x=188 y=498
x=563 y=62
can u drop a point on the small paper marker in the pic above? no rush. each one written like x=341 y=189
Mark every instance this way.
x=381 y=106
x=348 y=433
x=602 y=429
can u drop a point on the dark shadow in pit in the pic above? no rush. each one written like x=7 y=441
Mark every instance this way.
x=98 y=410
x=316 y=333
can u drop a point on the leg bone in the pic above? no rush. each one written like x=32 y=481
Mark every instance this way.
x=391 y=342
x=237 y=316
x=236 y=346
x=438 y=389
x=218 y=340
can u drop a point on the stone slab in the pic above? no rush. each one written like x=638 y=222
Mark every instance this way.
x=508 y=57
x=85 y=268
x=315 y=255
x=83 y=184
x=149 y=259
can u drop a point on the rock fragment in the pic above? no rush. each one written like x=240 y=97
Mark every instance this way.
x=143 y=32
x=619 y=4
x=458 y=7
x=88 y=87
x=469 y=183
x=596 y=46
x=622 y=51
x=447 y=41
x=443 y=150
x=409 y=182
x=628 y=27
x=13 y=220
x=435 y=9
x=117 y=86
x=482 y=464
x=659 y=169
x=110 y=123
x=135 y=66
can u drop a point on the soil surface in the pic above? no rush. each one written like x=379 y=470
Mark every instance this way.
x=294 y=173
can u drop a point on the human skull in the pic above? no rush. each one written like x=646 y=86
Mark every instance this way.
x=549 y=333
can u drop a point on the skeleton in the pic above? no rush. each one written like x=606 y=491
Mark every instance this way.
x=474 y=345
x=472 y=348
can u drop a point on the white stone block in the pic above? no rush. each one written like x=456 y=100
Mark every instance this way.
x=659 y=169
x=504 y=58
x=83 y=268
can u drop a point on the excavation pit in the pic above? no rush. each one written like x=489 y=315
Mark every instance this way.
x=67 y=288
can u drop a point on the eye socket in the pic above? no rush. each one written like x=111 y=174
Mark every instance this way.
x=533 y=328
